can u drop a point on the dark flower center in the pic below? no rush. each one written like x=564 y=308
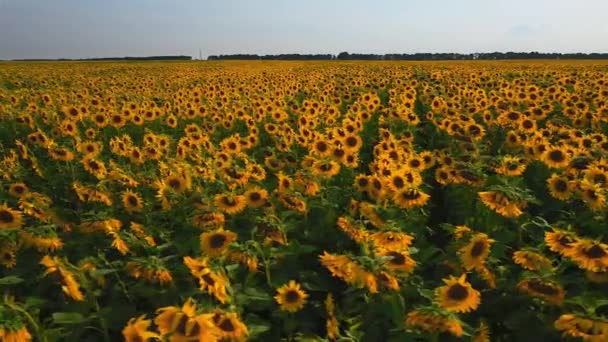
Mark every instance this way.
x=208 y=279
x=560 y=185
x=217 y=240
x=6 y=216
x=556 y=156
x=543 y=288
x=292 y=296
x=595 y=252
x=458 y=292
x=478 y=248
x=410 y=195
x=397 y=258
x=227 y=325
x=132 y=201
x=255 y=196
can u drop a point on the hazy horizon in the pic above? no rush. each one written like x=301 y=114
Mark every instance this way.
x=37 y=29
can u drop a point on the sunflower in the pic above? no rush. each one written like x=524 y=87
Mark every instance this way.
x=230 y=204
x=325 y=169
x=587 y=328
x=499 y=202
x=352 y=143
x=482 y=334
x=397 y=181
x=8 y=255
x=177 y=183
x=531 y=261
x=559 y=187
x=590 y=255
x=60 y=153
x=592 y=195
x=560 y=241
x=550 y=292
x=9 y=218
x=132 y=202
x=409 y=198
x=362 y=183
x=457 y=295
x=136 y=330
x=214 y=283
x=184 y=325
x=555 y=157
x=208 y=220
x=214 y=243
x=511 y=166
x=11 y=334
x=230 y=326
x=18 y=189
x=331 y=325
x=94 y=167
x=292 y=202
x=434 y=321
x=474 y=254
x=291 y=297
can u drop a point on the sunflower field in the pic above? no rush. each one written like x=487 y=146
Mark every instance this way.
x=304 y=201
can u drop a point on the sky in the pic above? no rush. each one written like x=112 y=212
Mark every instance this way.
x=114 y=28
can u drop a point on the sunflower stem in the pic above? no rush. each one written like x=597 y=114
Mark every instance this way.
x=39 y=334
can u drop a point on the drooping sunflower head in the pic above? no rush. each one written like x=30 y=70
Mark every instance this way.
x=549 y=291
x=531 y=260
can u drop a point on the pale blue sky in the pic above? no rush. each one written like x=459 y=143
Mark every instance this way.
x=103 y=28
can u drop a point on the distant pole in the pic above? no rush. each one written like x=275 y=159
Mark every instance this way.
x=200 y=55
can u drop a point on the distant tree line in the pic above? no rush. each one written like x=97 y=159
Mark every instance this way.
x=149 y=58
x=415 y=56
x=282 y=57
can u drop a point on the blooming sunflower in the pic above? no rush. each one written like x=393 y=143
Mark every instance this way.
x=587 y=328
x=256 y=197
x=559 y=187
x=291 y=297
x=11 y=334
x=555 y=157
x=184 y=325
x=408 y=198
x=560 y=241
x=176 y=183
x=590 y=255
x=215 y=242
x=17 y=189
x=474 y=254
x=230 y=204
x=132 y=202
x=136 y=330
x=229 y=325
x=457 y=295
x=10 y=218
